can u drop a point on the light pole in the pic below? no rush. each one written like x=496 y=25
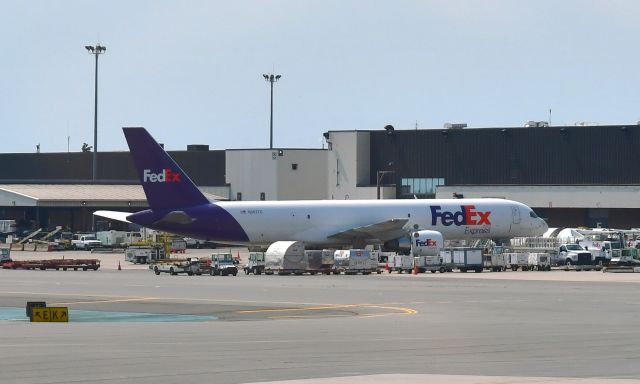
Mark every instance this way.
x=271 y=78
x=96 y=51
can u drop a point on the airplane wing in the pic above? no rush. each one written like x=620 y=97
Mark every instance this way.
x=386 y=230
x=114 y=215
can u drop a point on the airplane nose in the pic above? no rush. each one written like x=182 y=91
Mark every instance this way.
x=543 y=226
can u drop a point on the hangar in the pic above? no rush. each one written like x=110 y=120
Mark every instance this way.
x=571 y=175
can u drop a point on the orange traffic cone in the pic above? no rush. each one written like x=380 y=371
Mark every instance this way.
x=415 y=269
x=119 y=267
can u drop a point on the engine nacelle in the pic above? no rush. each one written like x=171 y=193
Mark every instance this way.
x=401 y=245
x=426 y=243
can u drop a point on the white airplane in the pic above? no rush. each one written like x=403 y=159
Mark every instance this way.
x=176 y=205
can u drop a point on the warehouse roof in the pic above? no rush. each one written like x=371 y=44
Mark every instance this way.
x=70 y=195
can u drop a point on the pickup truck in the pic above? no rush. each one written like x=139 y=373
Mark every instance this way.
x=190 y=267
x=573 y=254
x=85 y=242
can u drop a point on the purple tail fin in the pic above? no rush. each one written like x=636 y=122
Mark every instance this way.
x=166 y=185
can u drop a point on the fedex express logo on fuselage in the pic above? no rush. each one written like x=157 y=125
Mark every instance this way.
x=164 y=176
x=467 y=215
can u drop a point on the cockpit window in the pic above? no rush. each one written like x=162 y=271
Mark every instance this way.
x=533 y=214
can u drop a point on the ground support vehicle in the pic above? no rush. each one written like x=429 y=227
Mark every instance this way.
x=144 y=254
x=174 y=267
x=85 y=242
x=320 y=261
x=255 y=264
x=626 y=260
x=468 y=259
x=401 y=263
x=57 y=264
x=285 y=257
x=222 y=264
x=539 y=261
x=5 y=254
x=354 y=261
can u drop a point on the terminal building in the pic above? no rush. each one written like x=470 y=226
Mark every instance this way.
x=571 y=175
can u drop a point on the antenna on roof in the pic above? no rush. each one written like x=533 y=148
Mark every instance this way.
x=549 y=116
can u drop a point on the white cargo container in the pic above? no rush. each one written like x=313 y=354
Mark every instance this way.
x=420 y=263
x=319 y=261
x=467 y=259
x=143 y=254
x=539 y=261
x=401 y=263
x=446 y=259
x=285 y=257
x=352 y=261
x=518 y=260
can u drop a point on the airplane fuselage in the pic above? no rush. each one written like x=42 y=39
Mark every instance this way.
x=316 y=221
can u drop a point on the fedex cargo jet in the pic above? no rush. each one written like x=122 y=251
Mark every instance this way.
x=176 y=205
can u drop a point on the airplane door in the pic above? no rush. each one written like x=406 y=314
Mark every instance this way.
x=515 y=214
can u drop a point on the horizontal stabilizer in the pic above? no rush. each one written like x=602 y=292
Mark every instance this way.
x=386 y=230
x=114 y=215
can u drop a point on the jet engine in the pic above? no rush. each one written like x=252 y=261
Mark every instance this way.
x=426 y=243
x=418 y=243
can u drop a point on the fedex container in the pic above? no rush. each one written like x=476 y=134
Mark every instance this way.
x=319 y=261
x=351 y=261
x=539 y=261
x=284 y=257
x=466 y=259
x=401 y=263
x=518 y=260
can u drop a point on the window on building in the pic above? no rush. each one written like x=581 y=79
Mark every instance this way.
x=262 y=196
x=419 y=187
x=239 y=196
x=294 y=167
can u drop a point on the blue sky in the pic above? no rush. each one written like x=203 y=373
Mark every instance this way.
x=191 y=71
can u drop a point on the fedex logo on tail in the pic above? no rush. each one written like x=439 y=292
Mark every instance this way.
x=164 y=176
x=467 y=215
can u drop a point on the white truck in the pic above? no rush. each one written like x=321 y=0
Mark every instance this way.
x=85 y=242
x=573 y=254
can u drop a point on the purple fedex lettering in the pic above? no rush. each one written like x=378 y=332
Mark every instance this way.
x=465 y=216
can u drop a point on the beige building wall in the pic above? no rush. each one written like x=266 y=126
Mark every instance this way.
x=254 y=171
x=349 y=168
